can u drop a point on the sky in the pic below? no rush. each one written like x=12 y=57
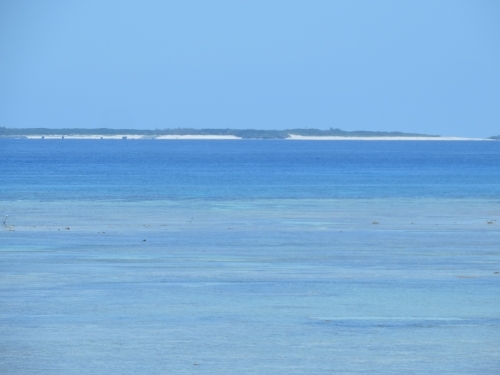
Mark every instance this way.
x=414 y=66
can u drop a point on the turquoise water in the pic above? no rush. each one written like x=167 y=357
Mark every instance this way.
x=244 y=257
x=229 y=170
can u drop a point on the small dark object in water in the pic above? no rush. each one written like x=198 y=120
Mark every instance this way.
x=375 y=222
x=143 y=240
x=67 y=228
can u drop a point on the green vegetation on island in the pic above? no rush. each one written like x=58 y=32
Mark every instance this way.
x=242 y=133
x=358 y=133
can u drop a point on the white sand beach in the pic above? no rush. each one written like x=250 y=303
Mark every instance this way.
x=133 y=136
x=295 y=137
x=197 y=137
x=90 y=136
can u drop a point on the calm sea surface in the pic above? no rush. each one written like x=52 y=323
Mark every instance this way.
x=249 y=257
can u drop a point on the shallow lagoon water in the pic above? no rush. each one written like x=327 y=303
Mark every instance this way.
x=273 y=284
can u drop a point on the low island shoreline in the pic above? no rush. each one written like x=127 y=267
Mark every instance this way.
x=231 y=137
x=222 y=134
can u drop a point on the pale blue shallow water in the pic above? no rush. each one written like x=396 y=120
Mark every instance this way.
x=260 y=257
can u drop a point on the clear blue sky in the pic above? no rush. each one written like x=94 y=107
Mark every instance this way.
x=414 y=66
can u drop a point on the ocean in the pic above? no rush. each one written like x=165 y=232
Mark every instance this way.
x=249 y=257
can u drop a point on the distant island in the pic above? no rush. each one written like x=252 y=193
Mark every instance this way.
x=496 y=137
x=182 y=132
